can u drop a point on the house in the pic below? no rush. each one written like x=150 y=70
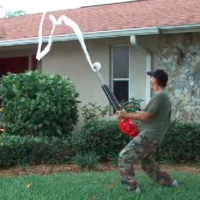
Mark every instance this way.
x=127 y=38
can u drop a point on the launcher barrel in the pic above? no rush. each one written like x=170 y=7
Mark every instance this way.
x=111 y=97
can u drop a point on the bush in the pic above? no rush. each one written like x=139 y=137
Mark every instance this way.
x=133 y=105
x=92 y=111
x=39 y=104
x=29 y=150
x=101 y=137
x=181 y=144
x=97 y=140
x=87 y=161
x=113 y=158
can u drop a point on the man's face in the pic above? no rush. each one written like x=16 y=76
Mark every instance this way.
x=152 y=82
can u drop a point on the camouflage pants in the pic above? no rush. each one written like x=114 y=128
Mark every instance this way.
x=143 y=149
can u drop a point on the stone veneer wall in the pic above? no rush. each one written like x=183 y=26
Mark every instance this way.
x=179 y=55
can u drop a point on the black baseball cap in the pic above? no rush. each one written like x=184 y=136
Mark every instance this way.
x=160 y=75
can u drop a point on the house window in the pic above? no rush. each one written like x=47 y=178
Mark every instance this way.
x=120 y=72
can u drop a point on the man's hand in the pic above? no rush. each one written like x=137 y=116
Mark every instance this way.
x=121 y=114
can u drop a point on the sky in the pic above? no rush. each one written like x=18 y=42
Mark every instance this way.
x=37 y=5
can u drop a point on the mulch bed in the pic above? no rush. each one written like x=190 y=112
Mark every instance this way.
x=50 y=169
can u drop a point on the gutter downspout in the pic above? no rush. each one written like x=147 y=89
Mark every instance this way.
x=148 y=53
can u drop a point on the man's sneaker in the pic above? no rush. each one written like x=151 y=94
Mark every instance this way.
x=138 y=191
x=175 y=183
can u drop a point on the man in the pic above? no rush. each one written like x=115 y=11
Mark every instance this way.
x=155 y=120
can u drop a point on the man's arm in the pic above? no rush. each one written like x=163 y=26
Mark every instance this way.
x=141 y=116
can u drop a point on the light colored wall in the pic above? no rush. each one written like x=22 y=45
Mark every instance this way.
x=69 y=59
x=6 y=52
x=150 y=44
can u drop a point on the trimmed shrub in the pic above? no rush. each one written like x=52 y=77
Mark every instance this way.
x=101 y=137
x=29 y=150
x=181 y=144
x=97 y=140
x=39 y=104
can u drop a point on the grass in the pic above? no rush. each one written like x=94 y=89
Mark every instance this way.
x=82 y=186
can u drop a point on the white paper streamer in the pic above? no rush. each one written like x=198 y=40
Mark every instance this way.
x=68 y=22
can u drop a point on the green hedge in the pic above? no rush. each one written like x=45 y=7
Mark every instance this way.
x=38 y=104
x=16 y=150
x=181 y=144
x=101 y=137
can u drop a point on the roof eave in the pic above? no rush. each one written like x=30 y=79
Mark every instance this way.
x=107 y=34
x=180 y=29
x=89 y=35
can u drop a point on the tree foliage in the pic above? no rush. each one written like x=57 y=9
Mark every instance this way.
x=4 y=13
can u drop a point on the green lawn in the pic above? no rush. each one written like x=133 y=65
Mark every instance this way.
x=82 y=186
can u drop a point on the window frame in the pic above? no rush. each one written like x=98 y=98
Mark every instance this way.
x=112 y=79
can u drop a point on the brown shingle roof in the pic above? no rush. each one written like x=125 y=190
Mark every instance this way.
x=129 y=15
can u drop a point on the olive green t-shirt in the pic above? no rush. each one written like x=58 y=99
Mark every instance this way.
x=157 y=126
